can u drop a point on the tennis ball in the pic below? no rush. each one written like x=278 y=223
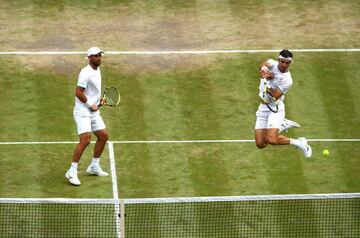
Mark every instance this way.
x=326 y=152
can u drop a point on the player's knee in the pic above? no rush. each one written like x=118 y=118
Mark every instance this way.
x=103 y=136
x=85 y=140
x=260 y=144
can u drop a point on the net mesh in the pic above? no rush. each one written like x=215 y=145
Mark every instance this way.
x=338 y=217
x=57 y=220
x=193 y=217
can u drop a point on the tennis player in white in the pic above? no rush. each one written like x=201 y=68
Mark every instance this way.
x=87 y=116
x=275 y=81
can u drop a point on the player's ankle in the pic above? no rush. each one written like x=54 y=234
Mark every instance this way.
x=295 y=142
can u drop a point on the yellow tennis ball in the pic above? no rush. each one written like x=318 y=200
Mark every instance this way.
x=326 y=152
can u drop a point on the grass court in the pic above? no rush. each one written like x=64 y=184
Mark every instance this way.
x=177 y=97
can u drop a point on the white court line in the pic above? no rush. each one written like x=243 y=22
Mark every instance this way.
x=163 y=141
x=39 y=142
x=115 y=188
x=113 y=170
x=241 y=198
x=167 y=52
x=221 y=141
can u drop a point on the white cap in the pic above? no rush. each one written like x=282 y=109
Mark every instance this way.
x=94 y=51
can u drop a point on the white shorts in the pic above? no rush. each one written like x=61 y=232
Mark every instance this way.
x=266 y=119
x=85 y=123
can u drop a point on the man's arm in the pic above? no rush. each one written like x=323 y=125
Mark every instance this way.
x=275 y=93
x=265 y=70
x=79 y=93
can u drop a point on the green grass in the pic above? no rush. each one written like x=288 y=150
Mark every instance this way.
x=37 y=171
x=38 y=25
x=217 y=102
x=213 y=101
x=182 y=97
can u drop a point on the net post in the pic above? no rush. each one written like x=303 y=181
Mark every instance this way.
x=122 y=218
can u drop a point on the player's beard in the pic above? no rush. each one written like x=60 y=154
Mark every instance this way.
x=96 y=63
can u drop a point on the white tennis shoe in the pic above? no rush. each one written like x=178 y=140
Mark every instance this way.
x=305 y=148
x=96 y=170
x=287 y=124
x=73 y=178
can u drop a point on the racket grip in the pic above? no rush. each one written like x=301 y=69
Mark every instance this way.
x=101 y=103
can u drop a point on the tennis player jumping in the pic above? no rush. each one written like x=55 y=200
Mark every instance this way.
x=87 y=116
x=275 y=82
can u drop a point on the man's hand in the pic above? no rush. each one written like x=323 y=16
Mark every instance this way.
x=265 y=72
x=94 y=108
x=102 y=101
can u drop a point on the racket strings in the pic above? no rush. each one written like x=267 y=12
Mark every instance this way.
x=112 y=96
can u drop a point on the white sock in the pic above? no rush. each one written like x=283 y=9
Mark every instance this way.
x=74 y=166
x=295 y=142
x=95 y=162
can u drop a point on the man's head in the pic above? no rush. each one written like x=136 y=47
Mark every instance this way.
x=285 y=59
x=94 y=55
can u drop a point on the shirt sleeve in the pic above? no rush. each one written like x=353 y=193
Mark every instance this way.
x=285 y=85
x=82 y=80
x=272 y=63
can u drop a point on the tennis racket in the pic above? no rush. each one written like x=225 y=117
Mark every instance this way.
x=272 y=107
x=267 y=98
x=111 y=97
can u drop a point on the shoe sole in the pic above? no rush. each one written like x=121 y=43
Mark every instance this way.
x=309 y=149
x=93 y=173
x=292 y=124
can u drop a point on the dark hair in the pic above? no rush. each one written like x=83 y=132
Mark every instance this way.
x=286 y=53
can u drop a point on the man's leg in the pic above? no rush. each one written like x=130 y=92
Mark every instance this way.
x=102 y=137
x=260 y=127
x=274 y=138
x=85 y=139
x=275 y=121
x=94 y=168
x=260 y=138
x=71 y=174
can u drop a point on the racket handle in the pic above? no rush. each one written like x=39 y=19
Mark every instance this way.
x=100 y=104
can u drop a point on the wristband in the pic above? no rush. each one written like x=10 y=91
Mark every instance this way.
x=87 y=104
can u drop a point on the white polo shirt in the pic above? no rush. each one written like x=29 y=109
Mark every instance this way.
x=282 y=81
x=90 y=80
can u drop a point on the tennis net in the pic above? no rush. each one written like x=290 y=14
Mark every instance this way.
x=59 y=218
x=314 y=215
